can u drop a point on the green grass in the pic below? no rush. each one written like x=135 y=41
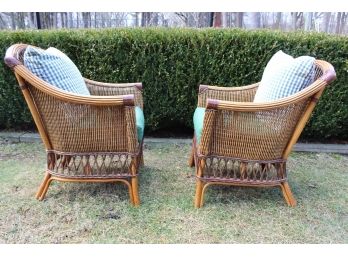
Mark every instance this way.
x=101 y=213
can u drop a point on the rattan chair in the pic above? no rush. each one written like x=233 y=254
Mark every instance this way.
x=87 y=138
x=247 y=144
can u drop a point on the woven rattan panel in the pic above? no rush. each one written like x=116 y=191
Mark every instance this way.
x=237 y=170
x=81 y=128
x=254 y=135
x=93 y=165
x=246 y=95
x=112 y=91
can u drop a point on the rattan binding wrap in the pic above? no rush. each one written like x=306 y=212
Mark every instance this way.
x=87 y=138
x=246 y=143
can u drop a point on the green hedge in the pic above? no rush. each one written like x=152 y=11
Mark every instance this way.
x=171 y=63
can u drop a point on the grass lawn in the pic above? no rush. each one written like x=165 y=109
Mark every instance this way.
x=101 y=213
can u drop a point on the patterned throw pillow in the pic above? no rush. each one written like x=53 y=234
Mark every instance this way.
x=55 y=68
x=284 y=76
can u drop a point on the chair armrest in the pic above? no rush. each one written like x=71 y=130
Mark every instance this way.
x=113 y=89
x=107 y=100
x=310 y=93
x=236 y=94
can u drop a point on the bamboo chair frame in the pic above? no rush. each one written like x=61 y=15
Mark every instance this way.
x=95 y=139
x=247 y=144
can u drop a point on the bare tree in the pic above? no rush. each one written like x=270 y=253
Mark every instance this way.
x=238 y=19
x=217 y=19
x=64 y=19
x=340 y=22
x=278 y=21
x=86 y=17
x=326 y=21
x=308 y=21
x=297 y=20
x=255 y=20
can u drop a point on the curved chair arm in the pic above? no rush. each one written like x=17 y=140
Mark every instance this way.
x=129 y=94
x=23 y=72
x=309 y=92
x=113 y=89
x=236 y=94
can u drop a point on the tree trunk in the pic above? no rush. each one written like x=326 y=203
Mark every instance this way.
x=239 y=19
x=217 y=20
x=294 y=20
x=326 y=21
x=278 y=21
x=13 y=20
x=32 y=22
x=2 y=22
x=256 y=20
x=224 y=20
x=54 y=20
x=86 y=17
x=308 y=21
x=70 y=21
x=297 y=20
x=343 y=21
x=154 y=20
x=46 y=20
x=20 y=20
x=338 y=23
x=136 y=19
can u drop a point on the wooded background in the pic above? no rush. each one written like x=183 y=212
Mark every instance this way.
x=329 y=22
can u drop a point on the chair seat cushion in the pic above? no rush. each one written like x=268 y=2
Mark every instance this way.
x=55 y=68
x=198 y=119
x=140 y=122
x=284 y=76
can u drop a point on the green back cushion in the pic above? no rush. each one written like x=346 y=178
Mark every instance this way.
x=55 y=68
x=140 y=122
x=198 y=118
x=284 y=76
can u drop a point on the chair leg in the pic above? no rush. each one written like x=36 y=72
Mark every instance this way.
x=289 y=197
x=191 y=161
x=142 y=158
x=130 y=191
x=44 y=191
x=285 y=195
x=199 y=191
x=134 y=182
x=43 y=184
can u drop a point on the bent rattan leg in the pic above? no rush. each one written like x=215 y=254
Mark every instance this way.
x=142 y=158
x=199 y=193
x=50 y=178
x=134 y=182
x=285 y=194
x=44 y=191
x=191 y=161
x=43 y=184
x=289 y=197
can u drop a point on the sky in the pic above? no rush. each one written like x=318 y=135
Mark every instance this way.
x=175 y=5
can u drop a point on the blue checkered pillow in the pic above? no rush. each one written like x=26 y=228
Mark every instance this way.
x=284 y=76
x=55 y=68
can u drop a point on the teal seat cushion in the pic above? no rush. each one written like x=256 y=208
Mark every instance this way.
x=198 y=118
x=54 y=67
x=140 y=122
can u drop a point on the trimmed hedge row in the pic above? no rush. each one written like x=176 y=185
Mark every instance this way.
x=171 y=63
